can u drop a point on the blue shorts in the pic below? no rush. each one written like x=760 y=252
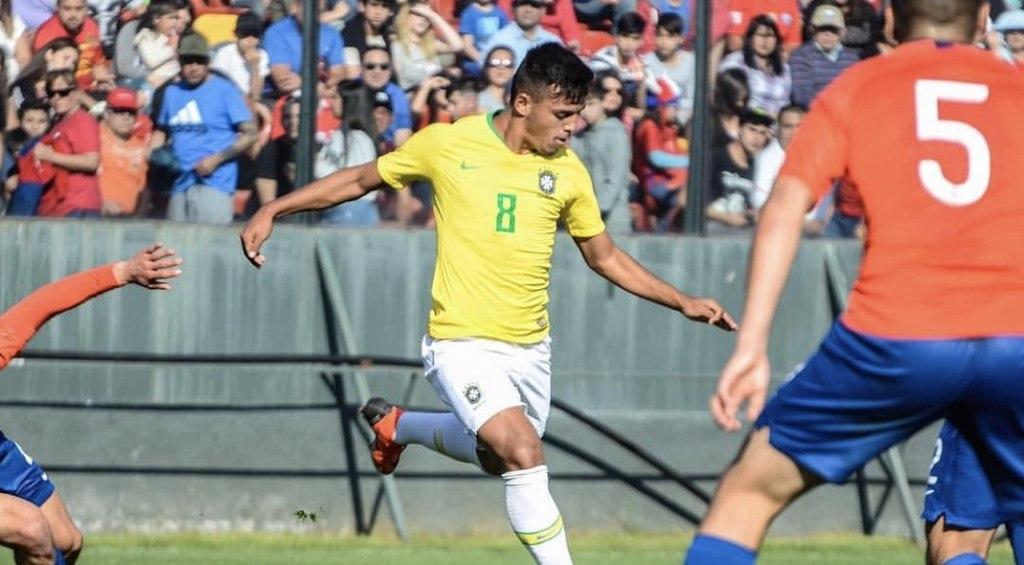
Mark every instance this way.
x=859 y=395
x=20 y=476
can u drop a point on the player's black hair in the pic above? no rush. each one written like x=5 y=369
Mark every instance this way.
x=775 y=58
x=630 y=23
x=936 y=12
x=552 y=71
x=671 y=23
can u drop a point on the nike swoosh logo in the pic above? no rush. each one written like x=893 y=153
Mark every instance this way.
x=466 y=167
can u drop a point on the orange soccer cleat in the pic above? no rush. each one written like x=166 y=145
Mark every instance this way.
x=383 y=418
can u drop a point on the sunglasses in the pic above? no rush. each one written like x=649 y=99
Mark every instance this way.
x=128 y=111
x=59 y=92
x=830 y=29
x=500 y=62
x=533 y=3
x=377 y=66
x=193 y=60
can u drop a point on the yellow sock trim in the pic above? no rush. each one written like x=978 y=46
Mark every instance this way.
x=541 y=536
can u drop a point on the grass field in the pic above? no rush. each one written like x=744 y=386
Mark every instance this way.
x=629 y=549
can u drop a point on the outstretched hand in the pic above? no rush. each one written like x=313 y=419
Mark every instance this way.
x=257 y=231
x=744 y=380
x=150 y=268
x=707 y=310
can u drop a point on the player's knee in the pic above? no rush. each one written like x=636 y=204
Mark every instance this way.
x=521 y=455
x=945 y=543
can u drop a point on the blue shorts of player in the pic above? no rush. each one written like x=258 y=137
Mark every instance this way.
x=20 y=476
x=959 y=490
x=858 y=395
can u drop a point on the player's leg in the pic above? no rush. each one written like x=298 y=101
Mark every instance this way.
x=960 y=509
x=23 y=528
x=66 y=536
x=22 y=479
x=857 y=396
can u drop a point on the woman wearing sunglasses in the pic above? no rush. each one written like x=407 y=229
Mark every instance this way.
x=499 y=66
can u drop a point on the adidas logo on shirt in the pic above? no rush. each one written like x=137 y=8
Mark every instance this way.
x=188 y=119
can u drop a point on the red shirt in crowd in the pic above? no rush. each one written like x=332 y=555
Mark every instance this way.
x=652 y=136
x=786 y=14
x=76 y=134
x=88 y=39
x=931 y=136
x=559 y=18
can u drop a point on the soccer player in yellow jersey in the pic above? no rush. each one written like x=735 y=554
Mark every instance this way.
x=502 y=182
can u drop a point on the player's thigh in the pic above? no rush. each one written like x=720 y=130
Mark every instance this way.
x=858 y=395
x=946 y=541
x=22 y=524
x=531 y=375
x=471 y=377
x=66 y=535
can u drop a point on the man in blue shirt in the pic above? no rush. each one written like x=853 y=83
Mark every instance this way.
x=209 y=126
x=283 y=43
x=524 y=32
x=377 y=73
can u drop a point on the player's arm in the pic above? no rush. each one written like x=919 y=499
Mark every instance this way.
x=745 y=376
x=150 y=268
x=614 y=264
x=343 y=186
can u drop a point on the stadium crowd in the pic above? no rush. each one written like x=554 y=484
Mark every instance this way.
x=189 y=110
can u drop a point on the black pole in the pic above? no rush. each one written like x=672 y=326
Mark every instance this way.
x=700 y=133
x=305 y=149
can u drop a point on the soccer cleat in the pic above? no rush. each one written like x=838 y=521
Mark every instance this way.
x=383 y=418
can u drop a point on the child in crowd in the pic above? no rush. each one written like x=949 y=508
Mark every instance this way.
x=29 y=177
x=478 y=22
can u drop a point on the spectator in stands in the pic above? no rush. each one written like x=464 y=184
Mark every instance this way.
x=603 y=136
x=124 y=154
x=559 y=18
x=72 y=20
x=34 y=12
x=785 y=14
x=658 y=161
x=612 y=99
x=244 y=61
x=847 y=219
x=61 y=53
x=863 y=25
x=595 y=12
x=819 y=61
x=29 y=176
x=768 y=75
x=1011 y=25
x=370 y=27
x=377 y=73
x=156 y=41
x=683 y=9
x=443 y=99
x=669 y=60
x=730 y=98
x=732 y=175
x=623 y=56
x=416 y=52
x=15 y=41
x=283 y=42
x=72 y=147
x=478 y=22
x=396 y=206
x=336 y=13
x=769 y=161
x=499 y=66
x=349 y=146
x=524 y=31
x=209 y=126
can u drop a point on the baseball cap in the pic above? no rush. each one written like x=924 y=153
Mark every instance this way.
x=122 y=99
x=248 y=25
x=1010 y=20
x=827 y=15
x=381 y=99
x=193 y=45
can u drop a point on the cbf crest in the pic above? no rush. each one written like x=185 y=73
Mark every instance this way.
x=546 y=181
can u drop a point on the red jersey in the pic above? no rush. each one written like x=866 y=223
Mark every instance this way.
x=651 y=136
x=786 y=14
x=23 y=320
x=89 y=46
x=930 y=136
x=77 y=133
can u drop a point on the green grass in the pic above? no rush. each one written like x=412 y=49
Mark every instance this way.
x=631 y=549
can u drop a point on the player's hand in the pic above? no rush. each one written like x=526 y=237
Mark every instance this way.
x=150 y=268
x=707 y=310
x=744 y=380
x=257 y=231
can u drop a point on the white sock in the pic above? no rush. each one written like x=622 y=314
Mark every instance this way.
x=534 y=517
x=440 y=431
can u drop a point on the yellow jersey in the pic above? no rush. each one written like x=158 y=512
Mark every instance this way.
x=497 y=213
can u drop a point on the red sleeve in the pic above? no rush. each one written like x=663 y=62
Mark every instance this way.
x=794 y=35
x=648 y=137
x=566 y=15
x=818 y=153
x=23 y=320
x=46 y=33
x=84 y=134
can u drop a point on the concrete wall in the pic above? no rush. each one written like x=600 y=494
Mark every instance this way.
x=638 y=368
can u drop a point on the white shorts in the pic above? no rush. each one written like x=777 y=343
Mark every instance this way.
x=477 y=378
